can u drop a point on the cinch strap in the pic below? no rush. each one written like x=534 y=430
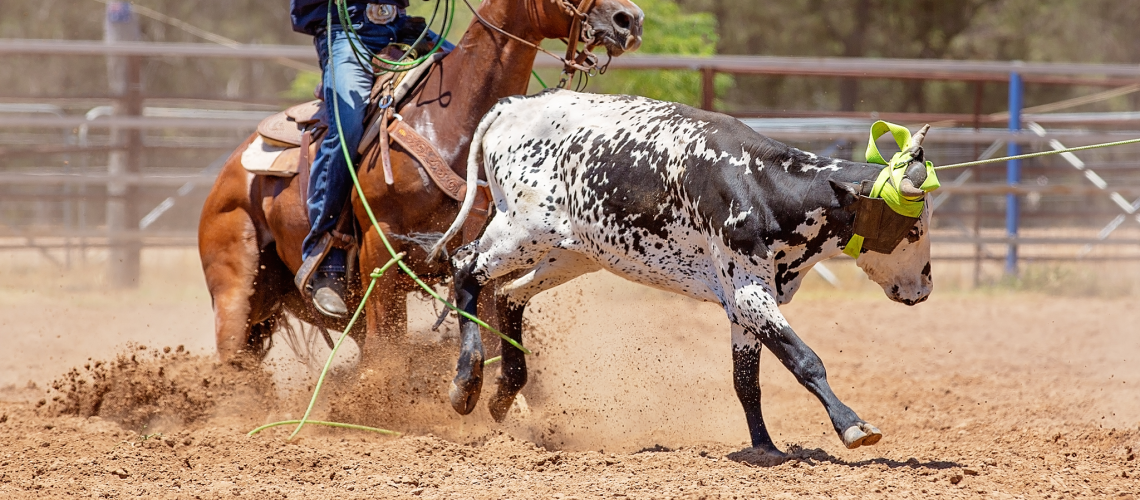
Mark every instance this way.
x=894 y=173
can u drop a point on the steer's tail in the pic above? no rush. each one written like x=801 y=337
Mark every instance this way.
x=474 y=163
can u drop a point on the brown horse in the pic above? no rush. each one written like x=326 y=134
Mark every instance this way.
x=250 y=232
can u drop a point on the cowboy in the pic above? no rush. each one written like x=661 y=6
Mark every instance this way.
x=377 y=24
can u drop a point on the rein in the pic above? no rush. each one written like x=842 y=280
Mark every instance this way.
x=570 y=63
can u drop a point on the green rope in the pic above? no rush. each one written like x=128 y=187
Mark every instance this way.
x=1038 y=154
x=539 y=78
x=376 y=224
x=328 y=363
x=329 y=424
x=399 y=66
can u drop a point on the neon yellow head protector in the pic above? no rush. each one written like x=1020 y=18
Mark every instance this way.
x=883 y=213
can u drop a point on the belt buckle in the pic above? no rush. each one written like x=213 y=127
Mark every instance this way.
x=381 y=13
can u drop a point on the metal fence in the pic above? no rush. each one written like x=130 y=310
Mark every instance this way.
x=130 y=169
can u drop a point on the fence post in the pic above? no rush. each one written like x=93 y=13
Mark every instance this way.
x=1013 y=172
x=124 y=76
x=708 y=88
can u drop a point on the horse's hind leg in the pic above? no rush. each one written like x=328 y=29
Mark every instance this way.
x=556 y=268
x=227 y=244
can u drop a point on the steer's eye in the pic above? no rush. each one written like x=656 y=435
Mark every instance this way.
x=913 y=235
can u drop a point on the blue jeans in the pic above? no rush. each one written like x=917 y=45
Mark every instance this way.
x=329 y=181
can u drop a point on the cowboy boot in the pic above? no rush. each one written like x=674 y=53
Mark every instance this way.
x=321 y=279
x=328 y=292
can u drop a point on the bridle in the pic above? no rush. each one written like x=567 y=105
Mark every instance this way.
x=584 y=60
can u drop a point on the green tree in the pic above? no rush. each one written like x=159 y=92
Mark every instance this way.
x=668 y=30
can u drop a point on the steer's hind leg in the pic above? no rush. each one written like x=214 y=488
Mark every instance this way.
x=746 y=380
x=558 y=267
x=762 y=320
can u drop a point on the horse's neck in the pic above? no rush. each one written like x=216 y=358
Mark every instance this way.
x=484 y=67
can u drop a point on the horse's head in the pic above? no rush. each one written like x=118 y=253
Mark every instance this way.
x=614 y=24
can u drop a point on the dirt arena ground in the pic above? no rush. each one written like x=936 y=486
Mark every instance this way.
x=1004 y=394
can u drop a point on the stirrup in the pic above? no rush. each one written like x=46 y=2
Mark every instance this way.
x=309 y=266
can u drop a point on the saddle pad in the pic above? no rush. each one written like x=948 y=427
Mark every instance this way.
x=264 y=158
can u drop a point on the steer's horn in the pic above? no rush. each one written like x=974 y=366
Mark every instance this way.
x=907 y=188
x=918 y=137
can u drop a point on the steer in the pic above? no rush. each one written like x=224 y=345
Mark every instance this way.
x=682 y=200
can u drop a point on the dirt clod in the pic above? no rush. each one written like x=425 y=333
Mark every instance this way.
x=137 y=389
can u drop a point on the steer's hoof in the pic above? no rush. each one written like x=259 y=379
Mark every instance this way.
x=464 y=396
x=499 y=406
x=863 y=434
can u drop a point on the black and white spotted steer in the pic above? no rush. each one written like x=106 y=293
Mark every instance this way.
x=674 y=198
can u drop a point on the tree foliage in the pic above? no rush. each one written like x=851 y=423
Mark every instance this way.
x=1031 y=30
x=668 y=30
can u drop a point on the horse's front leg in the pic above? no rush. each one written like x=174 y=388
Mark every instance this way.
x=761 y=321
x=386 y=335
x=386 y=310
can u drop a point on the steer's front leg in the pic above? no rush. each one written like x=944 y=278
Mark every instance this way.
x=761 y=320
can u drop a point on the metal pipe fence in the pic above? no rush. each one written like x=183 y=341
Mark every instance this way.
x=59 y=183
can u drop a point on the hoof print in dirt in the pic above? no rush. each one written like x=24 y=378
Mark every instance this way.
x=759 y=457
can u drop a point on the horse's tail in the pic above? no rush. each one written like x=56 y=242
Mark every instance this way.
x=474 y=163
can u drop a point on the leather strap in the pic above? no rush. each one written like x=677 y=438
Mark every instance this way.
x=448 y=181
x=385 y=114
x=571 y=62
x=304 y=164
x=385 y=146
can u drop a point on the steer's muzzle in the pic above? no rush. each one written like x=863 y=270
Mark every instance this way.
x=911 y=293
x=617 y=25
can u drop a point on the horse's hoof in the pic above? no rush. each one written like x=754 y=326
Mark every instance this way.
x=863 y=434
x=463 y=400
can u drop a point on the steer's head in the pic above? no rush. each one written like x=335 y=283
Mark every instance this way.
x=896 y=250
x=904 y=273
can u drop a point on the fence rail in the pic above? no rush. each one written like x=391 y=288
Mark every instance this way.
x=127 y=144
x=923 y=69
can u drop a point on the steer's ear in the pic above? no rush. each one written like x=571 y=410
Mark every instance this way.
x=846 y=192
